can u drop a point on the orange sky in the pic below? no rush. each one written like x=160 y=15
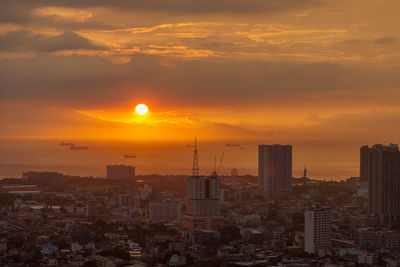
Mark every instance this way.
x=268 y=71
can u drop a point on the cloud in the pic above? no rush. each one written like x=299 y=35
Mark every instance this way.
x=27 y=41
x=82 y=81
x=21 y=10
x=377 y=41
x=385 y=40
x=368 y=127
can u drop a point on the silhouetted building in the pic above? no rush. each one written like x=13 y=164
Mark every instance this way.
x=234 y=174
x=275 y=170
x=43 y=178
x=119 y=172
x=317 y=229
x=364 y=163
x=383 y=174
x=363 y=189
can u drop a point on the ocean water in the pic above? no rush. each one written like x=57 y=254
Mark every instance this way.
x=323 y=160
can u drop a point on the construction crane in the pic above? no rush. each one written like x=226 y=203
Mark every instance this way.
x=220 y=162
x=216 y=170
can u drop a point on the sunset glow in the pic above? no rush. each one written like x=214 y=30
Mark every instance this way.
x=269 y=71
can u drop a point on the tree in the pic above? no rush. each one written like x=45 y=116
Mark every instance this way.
x=89 y=264
x=116 y=252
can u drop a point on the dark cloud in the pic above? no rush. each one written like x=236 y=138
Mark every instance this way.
x=19 y=11
x=385 y=40
x=194 y=6
x=82 y=81
x=378 y=41
x=26 y=41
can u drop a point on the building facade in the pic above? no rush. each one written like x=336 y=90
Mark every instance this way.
x=165 y=211
x=383 y=172
x=202 y=203
x=91 y=208
x=317 y=229
x=275 y=170
x=118 y=172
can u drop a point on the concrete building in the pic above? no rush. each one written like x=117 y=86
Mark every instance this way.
x=165 y=211
x=202 y=203
x=118 y=172
x=275 y=170
x=91 y=208
x=317 y=229
x=383 y=173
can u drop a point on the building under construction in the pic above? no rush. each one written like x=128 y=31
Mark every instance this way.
x=202 y=200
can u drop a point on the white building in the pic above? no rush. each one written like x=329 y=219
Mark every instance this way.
x=165 y=211
x=118 y=172
x=146 y=191
x=317 y=229
x=275 y=170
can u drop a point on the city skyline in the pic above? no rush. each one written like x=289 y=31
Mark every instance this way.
x=199 y=133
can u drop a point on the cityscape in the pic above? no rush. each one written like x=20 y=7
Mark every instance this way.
x=51 y=219
x=199 y=133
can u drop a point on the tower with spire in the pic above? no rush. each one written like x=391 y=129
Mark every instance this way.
x=195 y=168
x=202 y=199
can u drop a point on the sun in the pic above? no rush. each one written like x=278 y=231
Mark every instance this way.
x=141 y=109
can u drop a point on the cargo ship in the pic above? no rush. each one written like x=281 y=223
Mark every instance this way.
x=232 y=144
x=65 y=144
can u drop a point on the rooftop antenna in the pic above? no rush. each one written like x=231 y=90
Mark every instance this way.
x=305 y=175
x=215 y=164
x=195 y=169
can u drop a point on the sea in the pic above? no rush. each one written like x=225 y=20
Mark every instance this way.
x=323 y=160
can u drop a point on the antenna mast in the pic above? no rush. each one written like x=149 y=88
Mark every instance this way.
x=305 y=175
x=195 y=169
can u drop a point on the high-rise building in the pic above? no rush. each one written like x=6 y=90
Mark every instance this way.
x=275 y=170
x=383 y=172
x=118 y=172
x=317 y=229
x=202 y=200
